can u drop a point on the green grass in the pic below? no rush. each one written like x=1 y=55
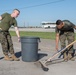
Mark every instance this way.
x=43 y=35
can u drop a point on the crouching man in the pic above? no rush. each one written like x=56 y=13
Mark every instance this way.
x=65 y=31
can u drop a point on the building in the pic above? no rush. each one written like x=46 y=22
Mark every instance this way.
x=48 y=25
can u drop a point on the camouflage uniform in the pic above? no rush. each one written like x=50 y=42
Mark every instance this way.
x=6 y=42
x=66 y=33
x=70 y=38
x=5 y=37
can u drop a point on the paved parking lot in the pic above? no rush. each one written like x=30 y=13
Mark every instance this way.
x=46 y=47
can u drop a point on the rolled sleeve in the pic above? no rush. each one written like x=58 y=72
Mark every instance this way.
x=56 y=30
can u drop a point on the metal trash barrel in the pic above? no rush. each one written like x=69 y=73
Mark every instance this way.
x=29 y=47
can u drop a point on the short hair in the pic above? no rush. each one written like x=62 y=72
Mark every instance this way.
x=58 y=22
x=17 y=10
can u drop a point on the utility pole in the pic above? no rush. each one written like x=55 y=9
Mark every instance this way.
x=24 y=24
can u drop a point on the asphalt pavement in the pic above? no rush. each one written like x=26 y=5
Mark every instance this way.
x=46 y=49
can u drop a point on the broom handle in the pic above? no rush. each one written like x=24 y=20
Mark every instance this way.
x=61 y=50
x=70 y=44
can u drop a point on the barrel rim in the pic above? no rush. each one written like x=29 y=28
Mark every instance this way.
x=29 y=37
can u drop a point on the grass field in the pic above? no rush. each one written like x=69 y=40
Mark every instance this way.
x=43 y=35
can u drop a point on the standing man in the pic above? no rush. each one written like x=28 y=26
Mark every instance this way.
x=65 y=31
x=7 y=20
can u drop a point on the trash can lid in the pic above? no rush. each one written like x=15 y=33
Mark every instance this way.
x=30 y=37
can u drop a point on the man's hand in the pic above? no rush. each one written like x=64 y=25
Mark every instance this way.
x=19 y=39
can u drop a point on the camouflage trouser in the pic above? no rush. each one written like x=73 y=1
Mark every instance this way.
x=70 y=37
x=6 y=42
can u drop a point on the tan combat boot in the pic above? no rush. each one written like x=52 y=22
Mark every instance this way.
x=71 y=57
x=6 y=57
x=14 y=57
x=65 y=57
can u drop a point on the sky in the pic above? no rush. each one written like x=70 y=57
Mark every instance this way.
x=34 y=12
